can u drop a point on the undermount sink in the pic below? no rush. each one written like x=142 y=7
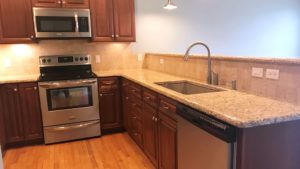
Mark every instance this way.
x=187 y=88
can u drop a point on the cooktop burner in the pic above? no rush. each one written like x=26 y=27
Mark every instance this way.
x=62 y=67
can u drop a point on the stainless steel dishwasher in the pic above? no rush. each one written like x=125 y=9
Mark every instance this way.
x=203 y=141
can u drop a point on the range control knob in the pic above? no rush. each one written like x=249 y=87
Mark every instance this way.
x=76 y=59
x=44 y=60
x=48 y=60
x=86 y=58
x=81 y=58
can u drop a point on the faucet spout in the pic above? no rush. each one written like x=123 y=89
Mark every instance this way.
x=209 y=71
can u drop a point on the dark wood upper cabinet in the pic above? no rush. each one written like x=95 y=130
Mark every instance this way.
x=61 y=3
x=110 y=112
x=31 y=112
x=16 y=21
x=113 y=20
x=75 y=3
x=47 y=3
x=12 y=113
x=124 y=20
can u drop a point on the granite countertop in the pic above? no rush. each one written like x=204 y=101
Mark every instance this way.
x=20 y=78
x=236 y=108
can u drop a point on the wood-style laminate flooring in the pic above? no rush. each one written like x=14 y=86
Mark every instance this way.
x=116 y=151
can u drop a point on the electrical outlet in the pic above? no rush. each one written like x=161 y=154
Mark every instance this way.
x=7 y=63
x=161 y=61
x=272 y=74
x=140 y=57
x=98 y=59
x=257 y=72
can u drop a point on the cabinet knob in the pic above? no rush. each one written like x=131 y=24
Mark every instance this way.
x=101 y=95
x=15 y=89
x=166 y=107
x=58 y=2
x=147 y=98
x=63 y=2
x=113 y=36
x=153 y=118
x=35 y=88
x=117 y=36
x=127 y=98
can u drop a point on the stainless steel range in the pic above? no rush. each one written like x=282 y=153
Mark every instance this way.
x=69 y=98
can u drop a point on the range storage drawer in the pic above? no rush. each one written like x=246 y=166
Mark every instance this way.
x=73 y=131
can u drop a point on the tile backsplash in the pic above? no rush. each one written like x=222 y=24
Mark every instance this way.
x=22 y=59
x=287 y=88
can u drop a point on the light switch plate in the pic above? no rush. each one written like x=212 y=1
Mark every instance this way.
x=272 y=74
x=98 y=59
x=257 y=72
x=161 y=61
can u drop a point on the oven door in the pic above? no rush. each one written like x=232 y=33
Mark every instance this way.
x=64 y=102
x=56 y=23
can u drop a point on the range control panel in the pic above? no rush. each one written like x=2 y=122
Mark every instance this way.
x=64 y=60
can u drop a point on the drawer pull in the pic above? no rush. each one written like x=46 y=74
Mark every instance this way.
x=127 y=98
x=15 y=89
x=148 y=98
x=153 y=118
x=166 y=107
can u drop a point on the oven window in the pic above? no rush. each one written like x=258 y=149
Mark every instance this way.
x=67 y=98
x=55 y=24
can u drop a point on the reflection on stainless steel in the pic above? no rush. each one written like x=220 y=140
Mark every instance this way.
x=186 y=87
x=186 y=55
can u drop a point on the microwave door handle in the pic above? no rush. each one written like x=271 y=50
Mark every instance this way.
x=76 y=22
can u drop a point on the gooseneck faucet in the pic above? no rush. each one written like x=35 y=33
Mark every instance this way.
x=209 y=72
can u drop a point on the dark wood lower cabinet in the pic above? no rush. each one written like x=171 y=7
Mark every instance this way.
x=150 y=133
x=109 y=99
x=21 y=113
x=167 y=136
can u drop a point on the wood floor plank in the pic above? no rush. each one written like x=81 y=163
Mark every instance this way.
x=117 y=151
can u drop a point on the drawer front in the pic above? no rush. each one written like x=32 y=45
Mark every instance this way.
x=167 y=106
x=135 y=91
x=136 y=108
x=150 y=98
x=109 y=83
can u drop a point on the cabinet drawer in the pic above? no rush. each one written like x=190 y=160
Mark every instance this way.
x=136 y=108
x=109 y=83
x=167 y=105
x=150 y=98
x=135 y=90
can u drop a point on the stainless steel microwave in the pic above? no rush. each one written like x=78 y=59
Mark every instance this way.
x=62 y=23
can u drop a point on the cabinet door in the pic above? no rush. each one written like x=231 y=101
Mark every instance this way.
x=16 y=21
x=47 y=3
x=12 y=113
x=167 y=133
x=102 y=20
x=110 y=104
x=125 y=103
x=124 y=20
x=31 y=112
x=76 y=4
x=150 y=133
x=2 y=130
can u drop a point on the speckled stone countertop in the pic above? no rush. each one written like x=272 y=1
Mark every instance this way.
x=236 y=108
x=239 y=109
x=18 y=79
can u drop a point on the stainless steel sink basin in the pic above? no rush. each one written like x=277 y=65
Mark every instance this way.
x=186 y=87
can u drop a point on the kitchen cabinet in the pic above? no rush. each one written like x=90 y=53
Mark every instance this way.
x=16 y=27
x=150 y=119
x=21 y=113
x=61 y=3
x=132 y=110
x=110 y=112
x=2 y=134
x=167 y=134
x=113 y=20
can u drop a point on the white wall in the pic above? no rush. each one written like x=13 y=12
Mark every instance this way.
x=263 y=28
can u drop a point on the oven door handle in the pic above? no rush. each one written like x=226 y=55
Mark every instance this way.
x=52 y=85
x=72 y=127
